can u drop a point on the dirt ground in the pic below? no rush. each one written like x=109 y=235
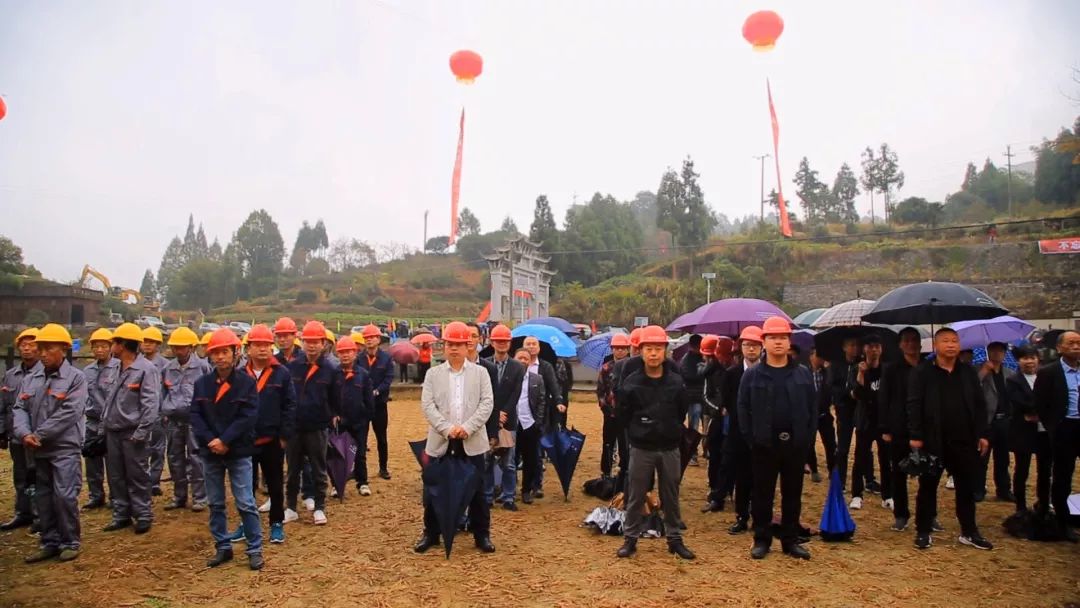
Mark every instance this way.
x=544 y=558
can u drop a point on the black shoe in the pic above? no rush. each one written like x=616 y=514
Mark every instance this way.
x=538 y=493
x=176 y=504
x=426 y=542
x=384 y=474
x=93 y=504
x=976 y=540
x=628 y=548
x=759 y=550
x=117 y=525
x=142 y=527
x=42 y=555
x=1070 y=534
x=712 y=507
x=222 y=556
x=980 y=496
x=900 y=524
x=527 y=498
x=798 y=551
x=873 y=486
x=155 y=491
x=484 y=544
x=815 y=477
x=1006 y=496
x=16 y=522
x=509 y=506
x=35 y=528
x=936 y=526
x=923 y=541
x=678 y=548
x=738 y=527
x=255 y=561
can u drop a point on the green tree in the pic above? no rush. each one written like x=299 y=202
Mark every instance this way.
x=870 y=177
x=844 y=190
x=320 y=240
x=889 y=176
x=11 y=257
x=303 y=246
x=543 y=229
x=468 y=224
x=171 y=263
x=600 y=240
x=198 y=286
x=148 y=287
x=437 y=244
x=509 y=225
x=1057 y=168
x=970 y=174
x=813 y=193
x=917 y=210
x=682 y=211
x=260 y=251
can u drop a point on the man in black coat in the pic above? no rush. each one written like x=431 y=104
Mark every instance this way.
x=947 y=419
x=1056 y=395
x=826 y=422
x=842 y=374
x=865 y=390
x=893 y=421
x=506 y=375
x=736 y=470
x=1028 y=436
x=778 y=419
x=692 y=370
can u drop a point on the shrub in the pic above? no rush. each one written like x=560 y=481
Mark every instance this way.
x=384 y=303
x=306 y=296
x=36 y=317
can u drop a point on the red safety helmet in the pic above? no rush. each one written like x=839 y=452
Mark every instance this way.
x=260 y=334
x=313 y=330
x=371 y=331
x=501 y=332
x=708 y=345
x=346 y=343
x=653 y=334
x=620 y=341
x=635 y=337
x=456 y=332
x=751 y=333
x=776 y=326
x=222 y=338
x=284 y=325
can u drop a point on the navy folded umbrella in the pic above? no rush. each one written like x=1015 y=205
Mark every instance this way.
x=564 y=449
x=688 y=446
x=836 y=522
x=450 y=483
x=340 y=458
x=418 y=450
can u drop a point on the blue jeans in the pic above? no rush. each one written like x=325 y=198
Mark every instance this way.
x=694 y=414
x=240 y=478
x=505 y=466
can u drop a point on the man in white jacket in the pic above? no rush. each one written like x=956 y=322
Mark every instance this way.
x=457 y=400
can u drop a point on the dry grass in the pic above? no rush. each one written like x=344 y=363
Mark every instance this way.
x=363 y=557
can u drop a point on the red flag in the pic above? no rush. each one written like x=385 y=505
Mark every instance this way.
x=785 y=225
x=455 y=184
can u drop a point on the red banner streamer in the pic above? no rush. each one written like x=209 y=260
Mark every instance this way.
x=785 y=225
x=455 y=184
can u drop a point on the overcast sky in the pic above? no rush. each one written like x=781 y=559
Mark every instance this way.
x=123 y=117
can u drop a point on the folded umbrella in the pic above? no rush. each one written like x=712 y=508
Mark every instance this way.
x=450 y=483
x=340 y=458
x=836 y=522
x=419 y=451
x=688 y=446
x=563 y=447
x=593 y=351
x=933 y=302
x=981 y=332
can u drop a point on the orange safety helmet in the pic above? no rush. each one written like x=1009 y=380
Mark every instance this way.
x=371 y=331
x=635 y=337
x=222 y=338
x=653 y=334
x=620 y=341
x=346 y=343
x=776 y=326
x=284 y=325
x=260 y=334
x=456 y=332
x=708 y=345
x=751 y=333
x=501 y=332
x=313 y=330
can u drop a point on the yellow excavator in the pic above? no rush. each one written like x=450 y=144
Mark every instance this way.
x=129 y=296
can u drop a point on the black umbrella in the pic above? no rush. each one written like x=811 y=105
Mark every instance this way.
x=450 y=483
x=829 y=343
x=688 y=446
x=419 y=451
x=934 y=303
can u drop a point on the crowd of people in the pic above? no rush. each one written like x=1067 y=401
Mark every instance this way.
x=261 y=408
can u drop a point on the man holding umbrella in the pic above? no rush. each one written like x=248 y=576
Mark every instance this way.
x=736 y=465
x=993 y=374
x=457 y=401
x=506 y=389
x=380 y=369
x=893 y=421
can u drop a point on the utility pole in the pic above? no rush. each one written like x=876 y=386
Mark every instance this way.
x=1008 y=156
x=425 y=230
x=762 y=199
x=708 y=276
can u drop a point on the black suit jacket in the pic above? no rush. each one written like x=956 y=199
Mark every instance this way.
x=1022 y=434
x=924 y=405
x=729 y=396
x=507 y=393
x=1051 y=395
x=553 y=396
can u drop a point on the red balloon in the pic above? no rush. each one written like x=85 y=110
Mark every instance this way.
x=466 y=66
x=3 y=109
x=762 y=29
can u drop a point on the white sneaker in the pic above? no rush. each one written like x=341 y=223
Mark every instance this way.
x=950 y=484
x=291 y=515
x=333 y=492
x=365 y=490
x=309 y=504
x=856 y=503
x=887 y=504
x=320 y=518
x=265 y=507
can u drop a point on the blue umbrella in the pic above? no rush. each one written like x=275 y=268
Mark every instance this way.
x=593 y=351
x=982 y=332
x=836 y=522
x=564 y=448
x=979 y=357
x=557 y=340
x=558 y=323
x=450 y=483
x=805 y=319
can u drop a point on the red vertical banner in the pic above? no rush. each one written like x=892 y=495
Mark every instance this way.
x=455 y=184
x=785 y=224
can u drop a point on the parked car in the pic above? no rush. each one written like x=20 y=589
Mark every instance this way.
x=240 y=327
x=148 y=321
x=206 y=326
x=116 y=318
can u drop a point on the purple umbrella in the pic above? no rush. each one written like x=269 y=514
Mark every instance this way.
x=982 y=332
x=340 y=457
x=727 y=317
x=404 y=353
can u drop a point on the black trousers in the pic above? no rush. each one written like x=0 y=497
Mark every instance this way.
x=359 y=434
x=898 y=449
x=962 y=461
x=827 y=431
x=845 y=429
x=999 y=451
x=270 y=458
x=528 y=446
x=1044 y=459
x=714 y=440
x=862 y=470
x=614 y=443
x=1065 y=444
x=379 y=423
x=421 y=370
x=784 y=459
x=479 y=511
x=737 y=473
